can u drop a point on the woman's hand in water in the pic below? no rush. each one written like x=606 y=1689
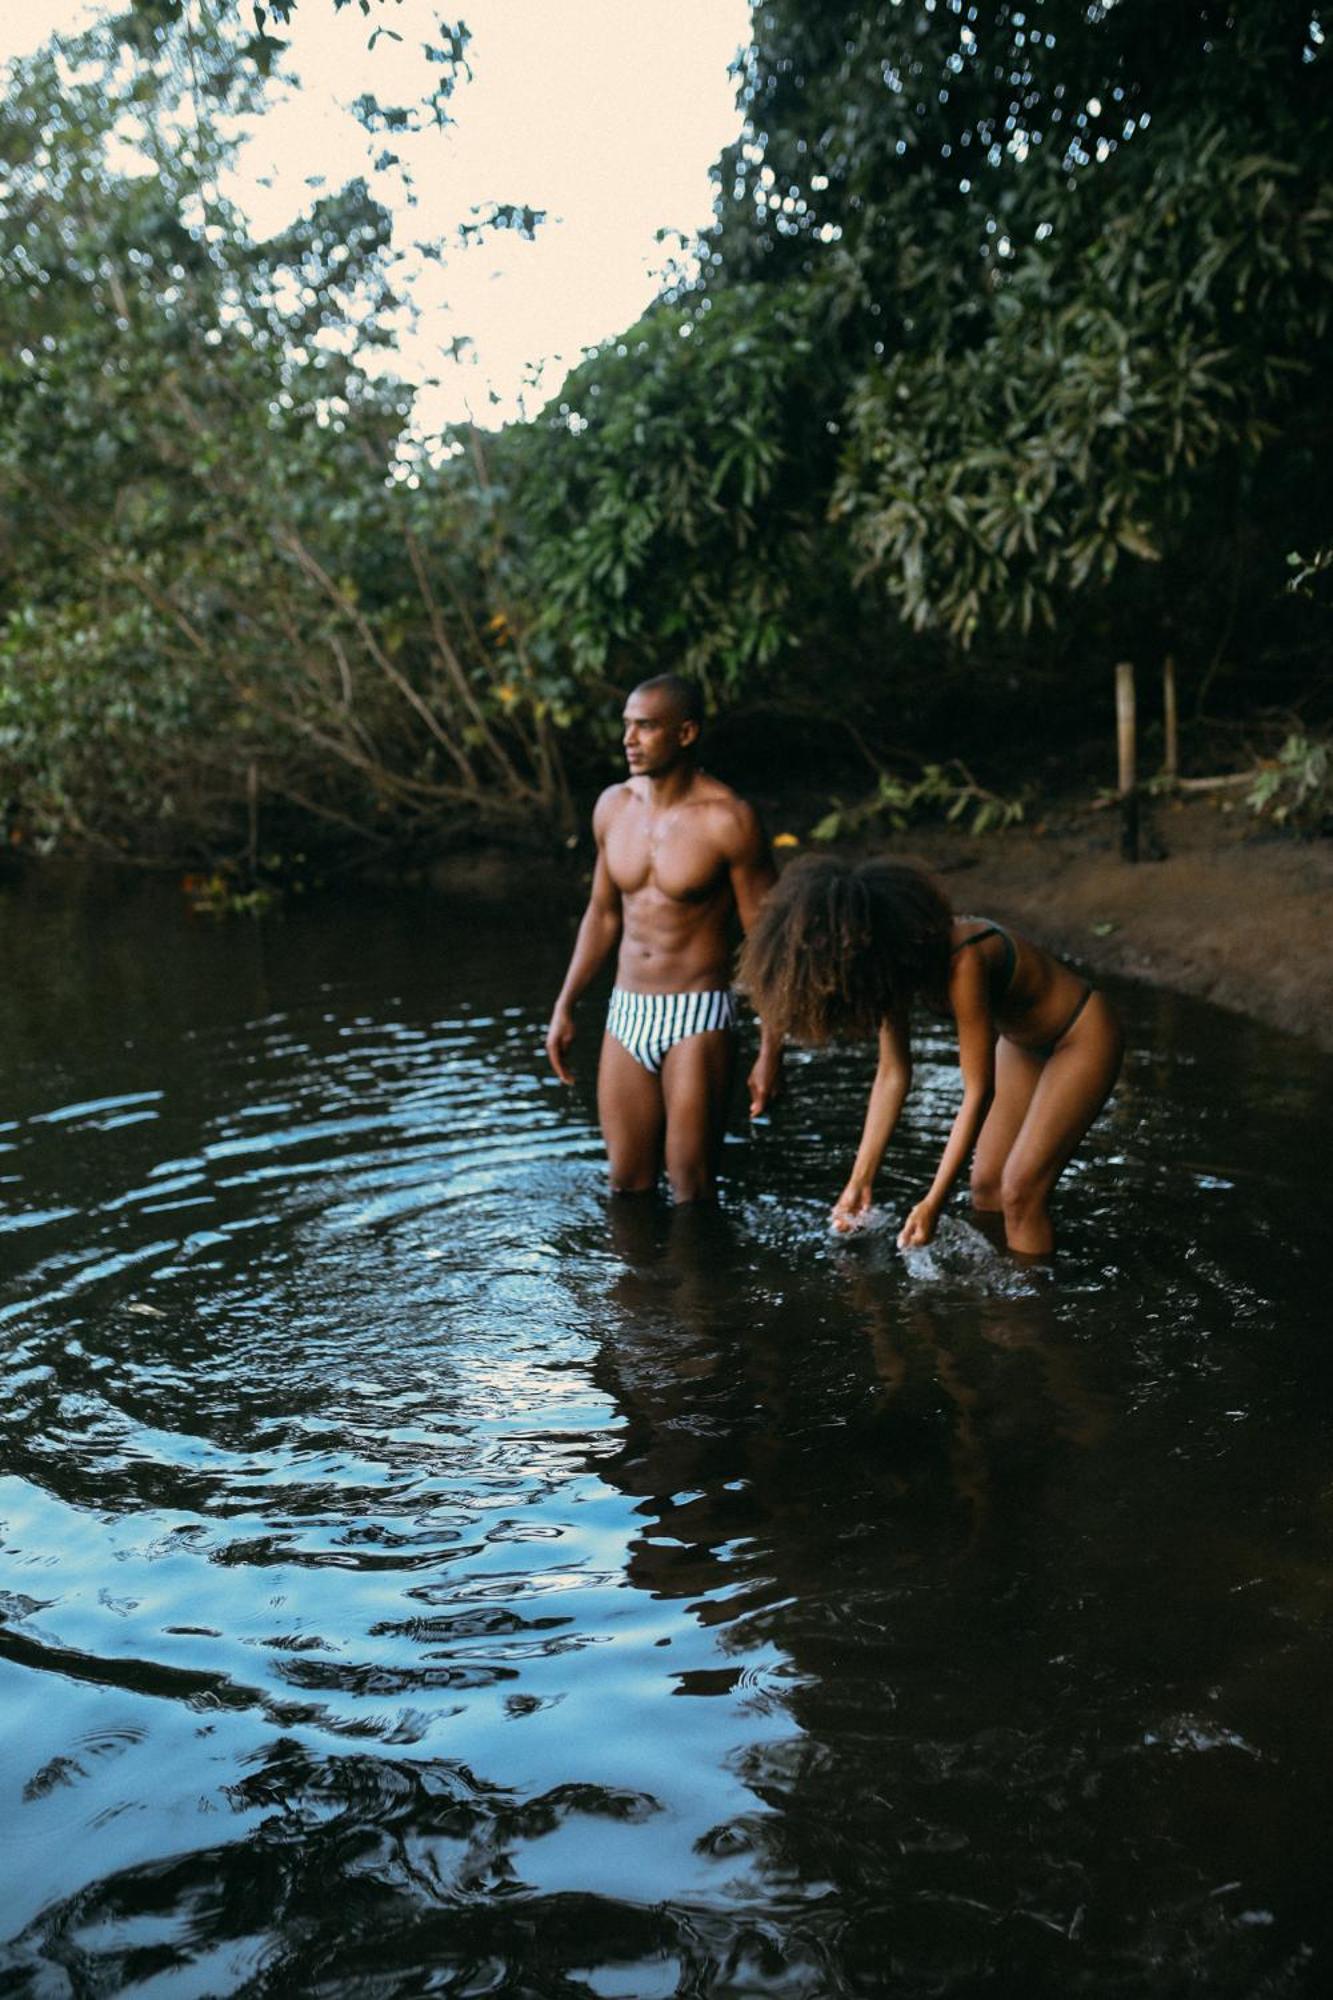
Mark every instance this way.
x=851 y=1207
x=765 y=1079
x=919 y=1226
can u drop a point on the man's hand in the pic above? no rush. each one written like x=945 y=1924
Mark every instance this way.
x=765 y=1080
x=558 y=1038
x=919 y=1226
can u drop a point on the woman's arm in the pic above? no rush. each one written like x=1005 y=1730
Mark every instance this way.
x=970 y=1001
x=893 y=1077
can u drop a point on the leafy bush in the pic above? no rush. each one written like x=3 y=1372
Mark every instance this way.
x=1295 y=788
x=947 y=790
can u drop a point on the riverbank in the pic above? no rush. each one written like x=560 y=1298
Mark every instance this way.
x=1231 y=912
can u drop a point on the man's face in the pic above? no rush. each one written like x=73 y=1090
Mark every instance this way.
x=655 y=736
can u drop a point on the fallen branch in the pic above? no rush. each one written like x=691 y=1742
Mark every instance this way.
x=1219 y=784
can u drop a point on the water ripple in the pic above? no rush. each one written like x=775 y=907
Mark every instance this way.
x=420 y=1575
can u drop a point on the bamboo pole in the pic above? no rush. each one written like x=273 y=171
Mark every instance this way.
x=252 y=816
x=1170 y=729
x=1125 y=730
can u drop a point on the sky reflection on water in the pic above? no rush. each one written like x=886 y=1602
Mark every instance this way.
x=418 y=1575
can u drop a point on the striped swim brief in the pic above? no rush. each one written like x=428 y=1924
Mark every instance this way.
x=648 y=1024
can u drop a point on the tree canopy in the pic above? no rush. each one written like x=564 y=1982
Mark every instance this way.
x=1048 y=283
x=999 y=362
x=228 y=582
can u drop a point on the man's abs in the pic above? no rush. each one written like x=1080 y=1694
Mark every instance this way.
x=669 y=946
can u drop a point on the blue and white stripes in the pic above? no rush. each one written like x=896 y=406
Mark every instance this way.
x=648 y=1024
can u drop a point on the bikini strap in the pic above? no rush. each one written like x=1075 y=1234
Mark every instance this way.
x=977 y=937
x=1010 y=962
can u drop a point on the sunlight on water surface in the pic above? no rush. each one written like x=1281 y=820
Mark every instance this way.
x=419 y=1575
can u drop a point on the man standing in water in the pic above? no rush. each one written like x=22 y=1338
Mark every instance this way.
x=677 y=853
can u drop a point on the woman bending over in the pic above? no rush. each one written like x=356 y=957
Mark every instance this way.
x=842 y=950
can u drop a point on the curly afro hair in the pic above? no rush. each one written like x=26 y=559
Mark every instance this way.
x=839 y=946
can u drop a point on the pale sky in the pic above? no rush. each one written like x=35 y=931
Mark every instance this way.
x=606 y=113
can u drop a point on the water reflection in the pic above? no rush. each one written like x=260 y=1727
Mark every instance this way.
x=419 y=1574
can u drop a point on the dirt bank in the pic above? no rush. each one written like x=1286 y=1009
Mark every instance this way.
x=1232 y=911
x=1236 y=915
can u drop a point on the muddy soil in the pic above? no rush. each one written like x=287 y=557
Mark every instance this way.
x=1236 y=914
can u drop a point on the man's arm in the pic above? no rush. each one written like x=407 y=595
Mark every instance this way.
x=752 y=876
x=598 y=935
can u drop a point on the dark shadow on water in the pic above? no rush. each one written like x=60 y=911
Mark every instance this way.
x=420 y=1575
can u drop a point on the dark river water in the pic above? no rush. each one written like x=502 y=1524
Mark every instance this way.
x=417 y=1577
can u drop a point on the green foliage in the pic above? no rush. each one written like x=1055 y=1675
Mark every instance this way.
x=1309 y=572
x=997 y=368
x=1295 y=788
x=217 y=895
x=942 y=790
x=1002 y=343
x=667 y=496
x=227 y=586
x=997 y=482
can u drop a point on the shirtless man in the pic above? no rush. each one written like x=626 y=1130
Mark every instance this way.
x=677 y=853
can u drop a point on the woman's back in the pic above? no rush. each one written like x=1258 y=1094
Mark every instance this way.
x=1034 y=996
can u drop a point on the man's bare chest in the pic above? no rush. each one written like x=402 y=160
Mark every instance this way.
x=670 y=853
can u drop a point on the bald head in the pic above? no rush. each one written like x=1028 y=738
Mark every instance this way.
x=685 y=696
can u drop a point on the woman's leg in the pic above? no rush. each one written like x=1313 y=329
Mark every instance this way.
x=1073 y=1084
x=1017 y=1074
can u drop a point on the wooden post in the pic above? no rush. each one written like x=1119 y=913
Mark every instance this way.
x=1170 y=735
x=1124 y=729
x=252 y=804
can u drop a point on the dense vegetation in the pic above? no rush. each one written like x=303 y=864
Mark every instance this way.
x=232 y=614
x=998 y=365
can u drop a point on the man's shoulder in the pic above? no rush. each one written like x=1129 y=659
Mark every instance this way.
x=611 y=802
x=711 y=791
x=734 y=821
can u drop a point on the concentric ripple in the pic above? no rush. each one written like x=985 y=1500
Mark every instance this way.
x=418 y=1575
